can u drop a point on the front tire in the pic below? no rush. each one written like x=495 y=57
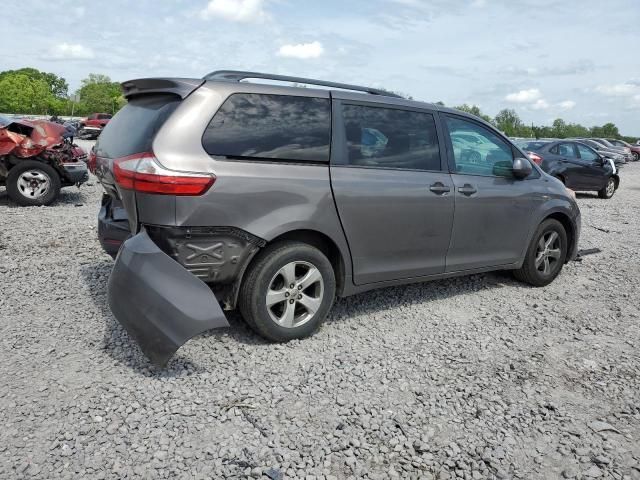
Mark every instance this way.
x=33 y=183
x=636 y=156
x=288 y=291
x=545 y=256
x=609 y=189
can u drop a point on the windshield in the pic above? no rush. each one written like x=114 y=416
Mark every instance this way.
x=531 y=146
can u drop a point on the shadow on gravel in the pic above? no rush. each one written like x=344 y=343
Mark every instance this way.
x=119 y=346
x=389 y=298
x=68 y=196
x=586 y=195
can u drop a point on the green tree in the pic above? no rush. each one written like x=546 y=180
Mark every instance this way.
x=559 y=128
x=21 y=94
x=99 y=94
x=57 y=85
x=609 y=130
x=508 y=121
x=474 y=110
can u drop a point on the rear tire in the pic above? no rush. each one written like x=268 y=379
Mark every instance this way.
x=545 y=256
x=287 y=291
x=609 y=189
x=31 y=183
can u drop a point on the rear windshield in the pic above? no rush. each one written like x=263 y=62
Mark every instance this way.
x=133 y=128
x=272 y=127
x=531 y=146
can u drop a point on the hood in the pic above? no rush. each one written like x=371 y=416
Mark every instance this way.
x=28 y=138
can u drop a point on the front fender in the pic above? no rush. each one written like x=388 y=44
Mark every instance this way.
x=555 y=206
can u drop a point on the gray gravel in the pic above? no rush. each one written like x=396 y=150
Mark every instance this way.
x=477 y=377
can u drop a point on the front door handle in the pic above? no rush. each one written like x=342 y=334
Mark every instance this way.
x=439 y=188
x=467 y=189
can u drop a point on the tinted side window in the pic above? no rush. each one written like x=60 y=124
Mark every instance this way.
x=391 y=138
x=278 y=127
x=586 y=153
x=485 y=156
x=567 y=150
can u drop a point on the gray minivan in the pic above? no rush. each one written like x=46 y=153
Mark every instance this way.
x=276 y=199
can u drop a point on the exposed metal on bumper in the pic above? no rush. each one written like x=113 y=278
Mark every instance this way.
x=160 y=304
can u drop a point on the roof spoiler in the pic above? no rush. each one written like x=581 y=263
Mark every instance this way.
x=177 y=86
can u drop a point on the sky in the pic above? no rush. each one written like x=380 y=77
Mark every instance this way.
x=574 y=59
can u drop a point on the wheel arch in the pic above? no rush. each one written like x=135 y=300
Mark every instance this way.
x=325 y=244
x=616 y=178
x=569 y=228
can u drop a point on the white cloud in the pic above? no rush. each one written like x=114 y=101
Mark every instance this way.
x=540 y=104
x=566 y=105
x=302 y=50
x=71 y=51
x=235 y=10
x=524 y=96
x=626 y=89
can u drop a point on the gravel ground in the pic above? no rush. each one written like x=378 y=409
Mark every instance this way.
x=476 y=377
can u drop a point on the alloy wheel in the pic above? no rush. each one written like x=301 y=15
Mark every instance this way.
x=611 y=187
x=295 y=294
x=548 y=253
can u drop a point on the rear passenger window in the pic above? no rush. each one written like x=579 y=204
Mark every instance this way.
x=277 y=127
x=567 y=150
x=391 y=138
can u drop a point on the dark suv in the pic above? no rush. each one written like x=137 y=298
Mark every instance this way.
x=279 y=198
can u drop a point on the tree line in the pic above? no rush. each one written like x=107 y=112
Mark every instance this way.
x=508 y=121
x=30 y=91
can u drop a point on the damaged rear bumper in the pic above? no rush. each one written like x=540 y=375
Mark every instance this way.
x=160 y=304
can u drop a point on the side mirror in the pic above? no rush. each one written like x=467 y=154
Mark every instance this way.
x=521 y=168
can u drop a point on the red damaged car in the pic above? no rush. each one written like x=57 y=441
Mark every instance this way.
x=37 y=158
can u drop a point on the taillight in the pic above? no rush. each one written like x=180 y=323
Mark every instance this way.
x=537 y=159
x=142 y=172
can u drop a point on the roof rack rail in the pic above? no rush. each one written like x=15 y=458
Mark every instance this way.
x=238 y=75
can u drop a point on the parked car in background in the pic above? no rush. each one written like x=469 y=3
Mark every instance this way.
x=472 y=148
x=37 y=158
x=624 y=151
x=606 y=152
x=635 y=149
x=96 y=120
x=575 y=164
x=280 y=198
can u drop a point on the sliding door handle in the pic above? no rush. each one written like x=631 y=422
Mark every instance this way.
x=467 y=189
x=439 y=188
